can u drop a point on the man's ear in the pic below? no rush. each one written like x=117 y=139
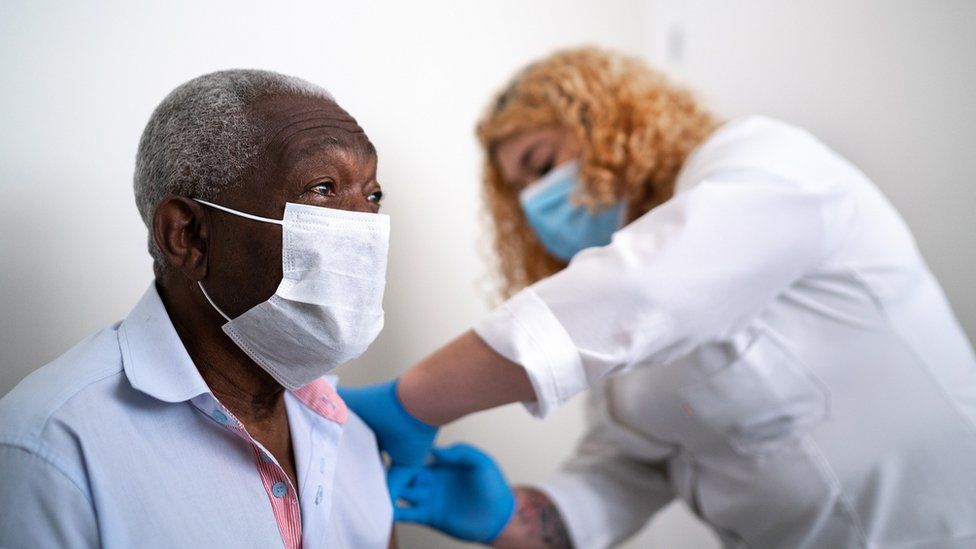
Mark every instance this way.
x=180 y=231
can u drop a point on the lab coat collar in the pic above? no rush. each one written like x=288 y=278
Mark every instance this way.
x=156 y=362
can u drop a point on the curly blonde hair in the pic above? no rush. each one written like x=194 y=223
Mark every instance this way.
x=634 y=127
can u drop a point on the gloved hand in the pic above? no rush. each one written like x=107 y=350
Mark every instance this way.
x=405 y=438
x=462 y=493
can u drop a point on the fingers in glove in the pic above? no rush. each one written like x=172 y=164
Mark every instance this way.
x=459 y=454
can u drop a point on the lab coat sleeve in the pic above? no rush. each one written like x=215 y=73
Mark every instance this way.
x=41 y=506
x=605 y=494
x=694 y=268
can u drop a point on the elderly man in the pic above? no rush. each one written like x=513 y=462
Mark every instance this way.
x=203 y=419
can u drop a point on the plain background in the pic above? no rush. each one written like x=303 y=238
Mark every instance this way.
x=889 y=84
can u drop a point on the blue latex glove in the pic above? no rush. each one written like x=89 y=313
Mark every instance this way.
x=406 y=439
x=462 y=493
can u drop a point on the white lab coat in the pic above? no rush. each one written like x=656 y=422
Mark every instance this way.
x=769 y=346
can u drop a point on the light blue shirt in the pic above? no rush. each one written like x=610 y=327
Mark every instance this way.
x=119 y=443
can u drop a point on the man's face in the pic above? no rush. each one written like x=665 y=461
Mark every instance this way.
x=317 y=155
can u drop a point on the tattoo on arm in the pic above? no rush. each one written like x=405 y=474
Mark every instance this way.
x=536 y=524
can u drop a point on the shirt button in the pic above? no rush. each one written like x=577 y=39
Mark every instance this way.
x=219 y=416
x=279 y=489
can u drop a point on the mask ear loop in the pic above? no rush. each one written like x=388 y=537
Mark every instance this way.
x=241 y=214
x=212 y=304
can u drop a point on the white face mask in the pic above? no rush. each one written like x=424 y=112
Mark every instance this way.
x=329 y=306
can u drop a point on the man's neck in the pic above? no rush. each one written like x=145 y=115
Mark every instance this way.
x=245 y=389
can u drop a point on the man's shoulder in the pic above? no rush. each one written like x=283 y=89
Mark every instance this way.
x=80 y=373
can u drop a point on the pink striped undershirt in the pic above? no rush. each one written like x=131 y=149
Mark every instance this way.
x=321 y=397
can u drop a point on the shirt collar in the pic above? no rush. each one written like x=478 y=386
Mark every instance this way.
x=153 y=356
x=156 y=362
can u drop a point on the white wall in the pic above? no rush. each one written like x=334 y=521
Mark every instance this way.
x=889 y=84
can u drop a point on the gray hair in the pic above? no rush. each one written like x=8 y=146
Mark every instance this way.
x=201 y=139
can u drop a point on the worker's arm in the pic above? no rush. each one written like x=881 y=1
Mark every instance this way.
x=699 y=266
x=462 y=377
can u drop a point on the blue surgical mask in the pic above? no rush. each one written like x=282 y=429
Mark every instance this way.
x=565 y=228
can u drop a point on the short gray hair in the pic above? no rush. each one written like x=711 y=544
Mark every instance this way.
x=202 y=139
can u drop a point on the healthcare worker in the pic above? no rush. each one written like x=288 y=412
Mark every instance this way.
x=756 y=327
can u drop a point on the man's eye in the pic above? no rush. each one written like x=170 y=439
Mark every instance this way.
x=375 y=197
x=326 y=188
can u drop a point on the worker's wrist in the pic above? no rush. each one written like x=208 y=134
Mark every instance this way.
x=419 y=401
x=399 y=433
x=412 y=420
